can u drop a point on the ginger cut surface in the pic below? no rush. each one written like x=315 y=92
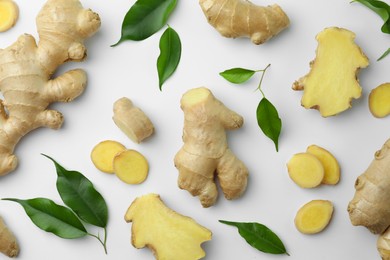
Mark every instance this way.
x=103 y=154
x=329 y=162
x=9 y=13
x=314 y=216
x=168 y=234
x=131 y=167
x=205 y=153
x=242 y=18
x=332 y=81
x=305 y=170
x=8 y=243
x=379 y=101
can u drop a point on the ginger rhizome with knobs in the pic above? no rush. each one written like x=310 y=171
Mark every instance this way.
x=9 y=13
x=332 y=81
x=169 y=235
x=8 y=243
x=26 y=69
x=379 y=100
x=242 y=18
x=314 y=216
x=205 y=153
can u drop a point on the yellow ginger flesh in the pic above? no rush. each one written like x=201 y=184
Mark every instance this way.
x=379 y=100
x=328 y=161
x=169 y=235
x=314 y=216
x=131 y=167
x=305 y=170
x=103 y=154
x=332 y=81
x=9 y=13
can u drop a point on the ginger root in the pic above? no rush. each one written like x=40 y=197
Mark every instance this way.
x=132 y=120
x=26 y=69
x=205 y=153
x=314 y=216
x=131 y=167
x=103 y=155
x=305 y=170
x=168 y=234
x=332 y=81
x=241 y=18
x=328 y=161
x=8 y=243
x=9 y=13
x=379 y=100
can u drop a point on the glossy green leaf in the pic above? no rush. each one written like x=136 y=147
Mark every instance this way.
x=79 y=194
x=237 y=75
x=384 y=54
x=382 y=9
x=269 y=121
x=145 y=18
x=170 y=53
x=51 y=217
x=259 y=237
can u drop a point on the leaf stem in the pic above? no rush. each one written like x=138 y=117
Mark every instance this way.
x=261 y=79
x=103 y=242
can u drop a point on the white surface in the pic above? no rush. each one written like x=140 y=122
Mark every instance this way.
x=271 y=197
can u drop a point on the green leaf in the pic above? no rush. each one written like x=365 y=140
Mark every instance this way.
x=52 y=217
x=237 y=75
x=78 y=193
x=269 y=121
x=382 y=9
x=170 y=52
x=384 y=54
x=145 y=18
x=259 y=237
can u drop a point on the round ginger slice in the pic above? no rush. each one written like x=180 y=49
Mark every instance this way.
x=305 y=170
x=103 y=154
x=314 y=216
x=9 y=13
x=131 y=167
x=328 y=161
x=379 y=100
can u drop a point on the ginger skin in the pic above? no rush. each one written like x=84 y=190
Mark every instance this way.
x=26 y=69
x=8 y=243
x=241 y=18
x=205 y=153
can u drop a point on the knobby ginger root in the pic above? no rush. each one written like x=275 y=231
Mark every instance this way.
x=328 y=161
x=241 y=18
x=132 y=120
x=131 y=167
x=8 y=243
x=379 y=100
x=305 y=170
x=26 y=69
x=314 y=216
x=168 y=234
x=205 y=153
x=9 y=13
x=103 y=155
x=332 y=81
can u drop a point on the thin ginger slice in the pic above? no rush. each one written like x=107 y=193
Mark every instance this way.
x=305 y=170
x=329 y=162
x=169 y=235
x=9 y=13
x=131 y=167
x=103 y=154
x=314 y=216
x=379 y=101
x=332 y=81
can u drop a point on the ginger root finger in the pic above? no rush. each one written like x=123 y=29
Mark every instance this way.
x=328 y=161
x=383 y=244
x=9 y=13
x=379 y=100
x=305 y=170
x=314 y=216
x=168 y=234
x=131 y=167
x=241 y=18
x=8 y=243
x=103 y=155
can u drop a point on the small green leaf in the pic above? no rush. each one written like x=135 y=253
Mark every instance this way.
x=51 y=217
x=145 y=18
x=269 y=121
x=170 y=52
x=78 y=193
x=259 y=237
x=384 y=54
x=382 y=9
x=237 y=75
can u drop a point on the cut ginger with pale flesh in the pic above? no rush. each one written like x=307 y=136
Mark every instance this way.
x=328 y=161
x=305 y=170
x=103 y=154
x=131 y=167
x=314 y=216
x=332 y=81
x=9 y=13
x=169 y=235
x=379 y=100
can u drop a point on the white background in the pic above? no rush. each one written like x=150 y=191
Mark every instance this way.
x=271 y=197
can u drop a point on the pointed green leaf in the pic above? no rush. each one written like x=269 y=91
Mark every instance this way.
x=237 y=75
x=382 y=9
x=78 y=193
x=170 y=52
x=145 y=18
x=384 y=54
x=269 y=121
x=259 y=237
x=51 y=217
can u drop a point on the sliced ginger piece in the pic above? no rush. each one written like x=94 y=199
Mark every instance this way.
x=379 y=100
x=9 y=13
x=328 y=161
x=131 y=167
x=314 y=216
x=332 y=81
x=305 y=170
x=103 y=154
x=169 y=235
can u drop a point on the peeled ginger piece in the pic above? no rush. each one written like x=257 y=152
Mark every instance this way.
x=131 y=167
x=328 y=161
x=314 y=216
x=9 y=13
x=103 y=154
x=305 y=170
x=379 y=100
